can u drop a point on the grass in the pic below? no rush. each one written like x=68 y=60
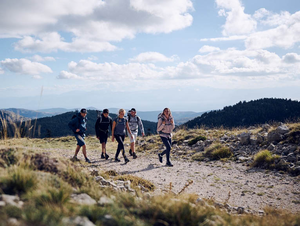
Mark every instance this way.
x=214 y=152
x=265 y=159
x=196 y=139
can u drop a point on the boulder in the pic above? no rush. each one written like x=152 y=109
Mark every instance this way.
x=83 y=199
x=282 y=129
x=274 y=136
x=245 y=138
x=78 y=221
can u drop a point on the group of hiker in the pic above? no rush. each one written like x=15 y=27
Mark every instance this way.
x=119 y=126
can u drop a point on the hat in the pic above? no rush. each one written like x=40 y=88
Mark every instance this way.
x=105 y=111
x=133 y=109
x=83 y=110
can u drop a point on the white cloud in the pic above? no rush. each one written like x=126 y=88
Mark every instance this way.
x=230 y=38
x=92 y=58
x=261 y=13
x=153 y=57
x=67 y=75
x=25 y=66
x=207 y=49
x=39 y=58
x=92 y=24
x=237 y=21
x=291 y=58
x=1 y=71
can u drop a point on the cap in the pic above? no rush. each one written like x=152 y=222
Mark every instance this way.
x=133 y=109
x=83 y=110
x=105 y=111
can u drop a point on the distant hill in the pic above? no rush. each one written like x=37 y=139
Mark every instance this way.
x=57 y=126
x=29 y=113
x=10 y=116
x=249 y=113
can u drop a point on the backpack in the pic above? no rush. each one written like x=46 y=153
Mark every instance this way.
x=160 y=115
x=129 y=116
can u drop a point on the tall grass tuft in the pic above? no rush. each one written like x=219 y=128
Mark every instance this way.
x=18 y=181
x=264 y=159
x=214 y=152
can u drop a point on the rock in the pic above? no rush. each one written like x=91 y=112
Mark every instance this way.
x=105 y=201
x=2 y=204
x=266 y=127
x=260 y=138
x=83 y=199
x=151 y=141
x=77 y=221
x=295 y=171
x=261 y=212
x=253 y=140
x=282 y=129
x=271 y=147
x=291 y=157
x=12 y=200
x=44 y=163
x=99 y=178
x=13 y=222
x=240 y=210
x=274 y=136
x=245 y=138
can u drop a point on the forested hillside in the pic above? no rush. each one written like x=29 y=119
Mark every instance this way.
x=249 y=113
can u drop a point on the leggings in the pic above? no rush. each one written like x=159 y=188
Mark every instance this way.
x=120 y=140
x=167 y=142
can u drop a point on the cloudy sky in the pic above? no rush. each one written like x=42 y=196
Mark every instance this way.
x=193 y=55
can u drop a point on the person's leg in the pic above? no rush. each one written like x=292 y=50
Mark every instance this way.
x=77 y=150
x=167 y=142
x=84 y=151
x=169 y=149
x=103 y=148
x=119 y=147
x=132 y=145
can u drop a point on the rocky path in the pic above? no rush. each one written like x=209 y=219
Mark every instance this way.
x=228 y=182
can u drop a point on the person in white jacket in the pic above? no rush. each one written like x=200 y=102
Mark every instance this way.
x=165 y=127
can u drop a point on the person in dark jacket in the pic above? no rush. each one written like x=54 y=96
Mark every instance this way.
x=101 y=128
x=78 y=126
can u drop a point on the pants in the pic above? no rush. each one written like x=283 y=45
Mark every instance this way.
x=120 y=140
x=167 y=142
x=103 y=137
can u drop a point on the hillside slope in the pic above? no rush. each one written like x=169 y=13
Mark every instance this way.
x=249 y=113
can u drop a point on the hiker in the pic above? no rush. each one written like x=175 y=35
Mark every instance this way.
x=78 y=126
x=118 y=131
x=165 y=127
x=134 y=122
x=101 y=128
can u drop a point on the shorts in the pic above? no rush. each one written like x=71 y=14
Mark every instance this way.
x=103 y=137
x=134 y=136
x=80 y=139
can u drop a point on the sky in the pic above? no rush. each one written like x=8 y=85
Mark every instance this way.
x=188 y=55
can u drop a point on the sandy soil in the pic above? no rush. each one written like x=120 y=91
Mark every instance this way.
x=231 y=182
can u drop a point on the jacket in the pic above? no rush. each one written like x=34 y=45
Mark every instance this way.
x=165 y=130
x=135 y=123
x=103 y=126
x=78 y=123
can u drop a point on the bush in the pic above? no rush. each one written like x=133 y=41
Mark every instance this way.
x=135 y=181
x=196 y=139
x=18 y=181
x=214 y=152
x=8 y=157
x=265 y=159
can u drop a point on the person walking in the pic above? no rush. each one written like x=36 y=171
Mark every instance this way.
x=165 y=126
x=78 y=126
x=134 y=122
x=101 y=128
x=120 y=124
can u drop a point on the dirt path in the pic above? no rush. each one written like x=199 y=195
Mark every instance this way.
x=251 y=189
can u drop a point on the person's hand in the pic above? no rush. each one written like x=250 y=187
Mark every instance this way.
x=77 y=130
x=131 y=136
x=98 y=138
x=113 y=139
x=164 y=122
x=143 y=134
x=172 y=122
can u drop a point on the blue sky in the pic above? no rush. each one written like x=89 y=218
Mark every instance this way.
x=148 y=54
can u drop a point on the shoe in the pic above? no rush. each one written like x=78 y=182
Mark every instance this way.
x=117 y=160
x=75 y=159
x=160 y=158
x=134 y=155
x=126 y=160
x=102 y=156
x=87 y=160
x=169 y=164
x=130 y=152
x=106 y=156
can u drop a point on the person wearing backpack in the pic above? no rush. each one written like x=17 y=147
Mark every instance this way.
x=101 y=128
x=134 y=122
x=165 y=126
x=120 y=124
x=78 y=126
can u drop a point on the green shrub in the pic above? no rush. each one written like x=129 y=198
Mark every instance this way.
x=93 y=213
x=214 y=152
x=8 y=157
x=13 y=211
x=18 y=181
x=265 y=159
x=196 y=139
x=54 y=196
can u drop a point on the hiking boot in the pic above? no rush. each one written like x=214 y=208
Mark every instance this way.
x=160 y=158
x=130 y=152
x=87 y=160
x=169 y=164
x=102 y=156
x=126 y=160
x=134 y=155
x=117 y=160
x=75 y=159
x=106 y=156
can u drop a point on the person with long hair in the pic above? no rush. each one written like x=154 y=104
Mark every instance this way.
x=120 y=124
x=165 y=127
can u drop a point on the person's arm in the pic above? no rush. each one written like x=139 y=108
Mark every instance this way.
x=141 y=127
x=72 y=125
x=160 y=125
x=97 y=128
x=112 y=131
x=173 y=123
x=128 y=129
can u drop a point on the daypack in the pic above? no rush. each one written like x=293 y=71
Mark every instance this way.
x=160 y=115
x=129 y=116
